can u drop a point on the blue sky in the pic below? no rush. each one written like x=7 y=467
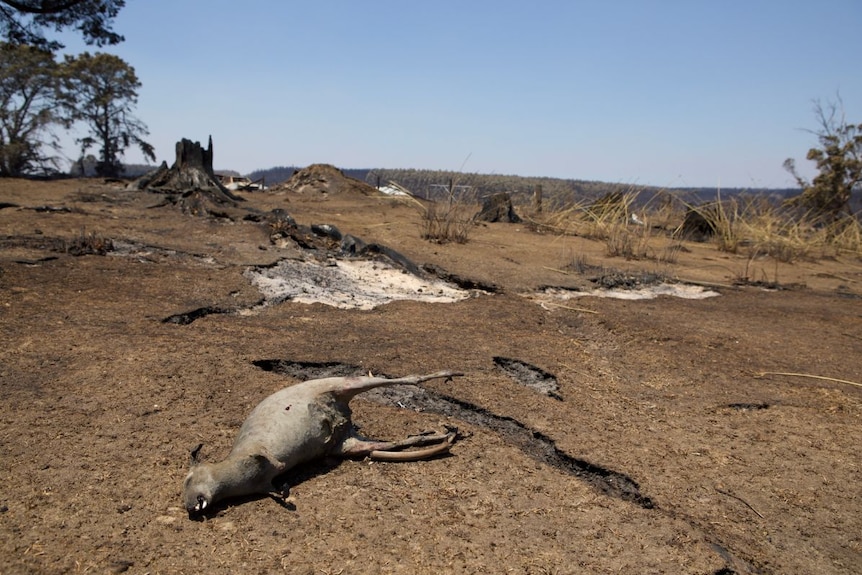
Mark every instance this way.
x=667 y=93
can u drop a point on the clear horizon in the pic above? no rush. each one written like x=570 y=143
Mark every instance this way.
x=669 y=94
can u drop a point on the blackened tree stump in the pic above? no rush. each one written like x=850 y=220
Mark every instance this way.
x=190 y=182
x=498 y=208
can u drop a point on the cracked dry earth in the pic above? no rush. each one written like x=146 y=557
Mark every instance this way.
x=598 y=435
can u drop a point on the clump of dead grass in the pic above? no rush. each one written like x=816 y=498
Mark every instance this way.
x=92 y=243
x=755 y=226
x=611 y=277
x=630 y=229
x=449 y=221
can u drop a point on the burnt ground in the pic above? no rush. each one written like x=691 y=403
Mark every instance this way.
x=598 y=435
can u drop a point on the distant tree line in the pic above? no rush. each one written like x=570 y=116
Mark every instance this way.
x=87 y=167
x=273 y=176
x=558 y=192
x=435 y=184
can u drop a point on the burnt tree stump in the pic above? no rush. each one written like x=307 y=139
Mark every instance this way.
x=190 y=182
x=498 y=208
x=699 y=223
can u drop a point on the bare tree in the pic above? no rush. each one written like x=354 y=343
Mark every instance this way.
x=839 y=161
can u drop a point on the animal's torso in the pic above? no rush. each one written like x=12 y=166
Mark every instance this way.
x=293 y=426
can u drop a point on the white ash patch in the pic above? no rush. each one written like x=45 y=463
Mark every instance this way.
x=348 y=284
x=684 y=291
x=152 y=254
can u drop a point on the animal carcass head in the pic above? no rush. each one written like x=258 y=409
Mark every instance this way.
x=198 y=485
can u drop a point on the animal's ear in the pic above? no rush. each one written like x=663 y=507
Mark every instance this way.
x=195 y=458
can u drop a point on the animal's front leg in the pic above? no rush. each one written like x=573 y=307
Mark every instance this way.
x=281 y=491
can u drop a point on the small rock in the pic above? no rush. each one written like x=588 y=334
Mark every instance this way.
x=121 y=566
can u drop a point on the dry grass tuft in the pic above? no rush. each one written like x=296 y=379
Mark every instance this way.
x=754 y=226
x=92 y=243
x=450 y=221
x=630 y=229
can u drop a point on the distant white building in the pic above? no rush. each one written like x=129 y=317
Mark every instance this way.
x=239 y=183
x=392 y=189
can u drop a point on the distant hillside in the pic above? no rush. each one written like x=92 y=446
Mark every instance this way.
x=129 y=170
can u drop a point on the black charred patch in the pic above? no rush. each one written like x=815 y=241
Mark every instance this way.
x=530 y=376
x=52 y=209
x=190 y=316
x=461 y=282
x=613 y=279
x=748 y=406
x=306 y=370
x=540 y=447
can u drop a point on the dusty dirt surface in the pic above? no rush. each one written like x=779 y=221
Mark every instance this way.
x=652 y=443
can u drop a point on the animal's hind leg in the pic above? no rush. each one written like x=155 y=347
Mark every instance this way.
x=354 y=446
